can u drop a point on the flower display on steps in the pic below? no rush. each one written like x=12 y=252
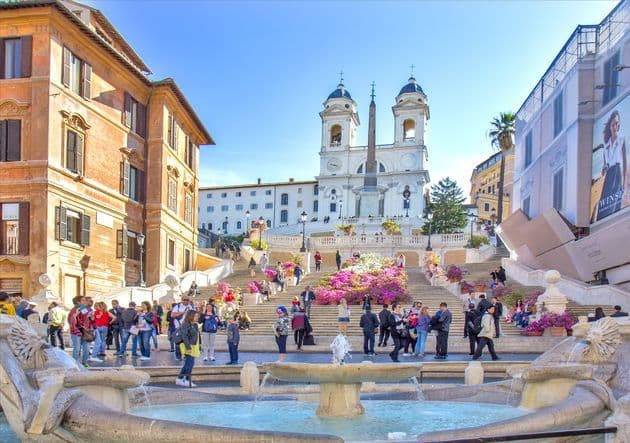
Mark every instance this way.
x=254 y=286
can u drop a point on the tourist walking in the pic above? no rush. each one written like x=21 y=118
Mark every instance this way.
x=115 y=329
x=396 y=329
x=56 y=319
x=189 y=347
x=252 y=267
x=81 y=331
x=102 y=320
x=308 y=297
x=470 y=318
x=498 y=312
x=263 y=262
x=297 y=273
x=411 y=320
x=159 y=313
x=145 y=329
x=443 y=327
x=298 y=324
x=281 y=329
x=177 y=314
x=369 y=323
x=501 y=276
x=423 y=326
x=343 y=316
x=486 y=335
x=367 y=302
x=400 y=261
x=128 y=319
x=338 y=260
x=233 y=338
x=483 y=304
x=383 y=318
x=318 y=261
x=209 y=326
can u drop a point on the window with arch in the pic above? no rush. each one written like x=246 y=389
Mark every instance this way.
x=269 y=223
x=284 y=216
x=409 y=129
x=335 y=135
x=209 y=226
x=381 y=167
x=284 y=199
x=239 y=225
x=360 y=169
x=225 y=226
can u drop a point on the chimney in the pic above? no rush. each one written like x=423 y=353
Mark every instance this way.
x=259 y=181
x=291 y=179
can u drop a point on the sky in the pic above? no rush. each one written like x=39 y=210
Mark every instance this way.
x=257 y=72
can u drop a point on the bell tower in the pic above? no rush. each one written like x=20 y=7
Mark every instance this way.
x=339 y=120
x=411 y=113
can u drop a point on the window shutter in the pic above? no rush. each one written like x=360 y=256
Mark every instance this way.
x=125 y=243
x=124 y=176
x=13 y=140
x=175 y=131
x=142 y=121
x=62 y=222
x=127 y=111
x=24 y=228
x=141 y=187
x=65 y=73
x=85 y=230
x=170 y=130
x=121 y=243
x=1 y=58
x=86 y=80
x=79 y=154
x=26 y=56
x=3 y=138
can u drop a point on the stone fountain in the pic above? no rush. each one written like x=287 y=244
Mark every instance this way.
x=340 y=384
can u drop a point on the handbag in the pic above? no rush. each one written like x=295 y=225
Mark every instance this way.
x=413 y=333
x=88 y=335
x=134 y=330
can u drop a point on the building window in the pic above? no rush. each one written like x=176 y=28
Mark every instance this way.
x=558 y=189
x=525 y=206
x=335 y=135
x=557 y=114
x=238 y=194
x=299 y=190
x=135 y=116
x=187 y=256
x=284 y=216
x=360 y=169
x=72 y=226
x=15 y=57
x=252 y=193
x=14 y=226
x=239 y=225
x=127 y=244
x=486 y=207
x=76 y=74
x=406 y=203
x=268 y=205
x=209 y=195
x=172 y=194
x=381 y=167
x=225 y=208
x=10 y=140
x=188 y=208
x=528 y=149
x=333 y=207
x=191 y=149
x=74 y=151
x=315 y=189
x=223 y=194
x=225 y=226
x=210 y=209
x=210 y=227
x=299 y=204
x=333 y=192
x=611 y=78
x=315 y=205
x=171 y=252
x=131 y=179
x=409 y=130
x=269 y=223
x=284 y=199
x=253 y=206
x=172 y=131
x=239 y=207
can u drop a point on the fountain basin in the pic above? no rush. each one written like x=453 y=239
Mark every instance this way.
x=340 y=385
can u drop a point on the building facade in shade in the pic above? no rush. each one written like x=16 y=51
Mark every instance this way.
x=92 y=155
x=335 y=194
x=571 y=187
x=484 y=186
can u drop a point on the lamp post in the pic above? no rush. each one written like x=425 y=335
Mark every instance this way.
x=140 y=240
x=247 y=215
x=429 y=217
x=261 y=220
x=471 y=218
x=340 y=207
x=303 y=220
x=226 y=225
x=406 y=195
x=218 y=247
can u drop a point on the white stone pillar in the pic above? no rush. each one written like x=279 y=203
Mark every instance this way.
x=473 y=374
x=552 y=300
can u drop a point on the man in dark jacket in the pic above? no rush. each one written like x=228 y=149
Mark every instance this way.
x=483 y=304
x=471 y=316
x=383 y=317
x=498 y=312
x=369 y=322
x=129 y=317
x=396 y=326
x=116 y=325
x=443 y=326
x=308 y=297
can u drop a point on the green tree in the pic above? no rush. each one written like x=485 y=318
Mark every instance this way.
x=446 y=205
x=501 y=132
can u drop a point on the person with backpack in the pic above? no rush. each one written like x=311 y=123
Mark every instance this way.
x=486 y=335
x=233 y=338
x=369 y=323
x=209 y=326
x=472 y=323
x=423 y=325
x=177 y=314
x=396 y=329
x=443 y=326
x=187 y=338
x=383 y=318
x=298 y=324
x=297 y=273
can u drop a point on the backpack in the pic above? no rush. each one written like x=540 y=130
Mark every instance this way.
x=177 y=336
x=474 y=326
x=210 y=324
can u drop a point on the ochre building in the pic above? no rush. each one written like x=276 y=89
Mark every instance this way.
x=484 y=186
x=93 y=155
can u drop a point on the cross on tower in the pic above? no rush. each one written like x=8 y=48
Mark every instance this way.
x=341 y=77
x=372 y=94
x=412 y=66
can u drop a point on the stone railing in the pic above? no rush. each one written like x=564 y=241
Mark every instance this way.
x=159 y=292
x=368 y=241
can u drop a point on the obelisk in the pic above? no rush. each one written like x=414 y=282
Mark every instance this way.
x=369 y=193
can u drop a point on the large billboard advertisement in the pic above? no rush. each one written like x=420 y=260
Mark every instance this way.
x=610 y=175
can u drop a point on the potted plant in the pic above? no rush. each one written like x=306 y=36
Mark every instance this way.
x=346 y=229
x=391 y=227
x=480 y=286
x=465 y=287
x=558 y=324
x=455 y=274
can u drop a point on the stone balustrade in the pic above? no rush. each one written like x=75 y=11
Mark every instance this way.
x=368 y=241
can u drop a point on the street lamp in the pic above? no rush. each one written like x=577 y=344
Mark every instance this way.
x=340 y=207
x=218 y=247
x=247 y=215
x=472 y=218
x=140 y=240
x=303 y=220
x=406 y=194
x=429 y=217
x=226 y=225
x=261 y=220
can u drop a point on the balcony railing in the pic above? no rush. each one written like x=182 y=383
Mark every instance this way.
x=369 y=241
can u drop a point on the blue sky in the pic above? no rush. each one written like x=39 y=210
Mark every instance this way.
x=257 y=72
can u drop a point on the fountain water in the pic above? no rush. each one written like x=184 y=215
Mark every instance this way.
x=419 y=394
x=340 y=349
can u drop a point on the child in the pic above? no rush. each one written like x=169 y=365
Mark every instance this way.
x=233 y=337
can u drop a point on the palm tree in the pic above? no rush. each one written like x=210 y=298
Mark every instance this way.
x=501 y=131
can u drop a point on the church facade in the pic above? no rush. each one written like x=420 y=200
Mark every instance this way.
x=389 y=178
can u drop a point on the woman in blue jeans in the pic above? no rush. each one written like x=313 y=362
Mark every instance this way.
x=189 y=347
x=145 y=330
x=422 y=328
